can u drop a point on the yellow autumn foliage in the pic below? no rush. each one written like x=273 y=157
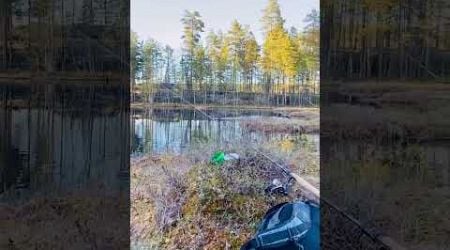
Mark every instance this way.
x=287 y=145
x=279 y=53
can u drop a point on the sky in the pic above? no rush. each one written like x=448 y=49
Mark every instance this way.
x=160 y=19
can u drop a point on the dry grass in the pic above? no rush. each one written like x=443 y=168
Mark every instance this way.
x=292 y=121
x=183 y=202
x=71 y=222
x=381 y=87
x=365 y=122
x=156 y=188
x=296 y=112
x=411 y=210
x=309 y=124
x=386 y=169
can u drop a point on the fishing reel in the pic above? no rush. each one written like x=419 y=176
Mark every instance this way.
x=278 y=187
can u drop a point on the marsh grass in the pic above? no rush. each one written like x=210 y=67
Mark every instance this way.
x=291 y=121
x=382 y=173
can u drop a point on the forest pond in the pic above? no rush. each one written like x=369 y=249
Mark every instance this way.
x=159 y=131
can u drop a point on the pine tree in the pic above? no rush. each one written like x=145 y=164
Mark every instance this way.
x=236 y=43
x=193 y=27
x=271 y=18
x=151 y=67
x=251 y=56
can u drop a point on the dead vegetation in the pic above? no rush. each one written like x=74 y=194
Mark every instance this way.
x=388 y=110
x=295 y=112
x=183 y=202
x=50 y=223
x=395 y=178
x=366 y=122
x=307 y=124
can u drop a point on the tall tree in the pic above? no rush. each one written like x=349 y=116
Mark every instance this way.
x=309 y=44
x=135 y=62
x=271 y=18
x=152 y=62
x=193 y=27
x=272 y=22
x=213 y=47
x=168 y=54
x=218 y=52
x=251 y=56
x=312 y=20
x=279 y=55
x=236 y=43
x=200 y=63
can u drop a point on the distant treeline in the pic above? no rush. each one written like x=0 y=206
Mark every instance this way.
x=170 y=96
x=385 y=39
x=46 y=36
x=286 y=62
x=61 y=96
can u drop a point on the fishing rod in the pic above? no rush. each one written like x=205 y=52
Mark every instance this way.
x=302 y=182
x=387 y=241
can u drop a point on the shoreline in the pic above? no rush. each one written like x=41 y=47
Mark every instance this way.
x=142 y=106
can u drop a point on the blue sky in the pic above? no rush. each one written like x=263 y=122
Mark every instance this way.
x=160 y=19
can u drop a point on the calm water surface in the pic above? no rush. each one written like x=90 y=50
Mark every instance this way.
x=162 y=131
